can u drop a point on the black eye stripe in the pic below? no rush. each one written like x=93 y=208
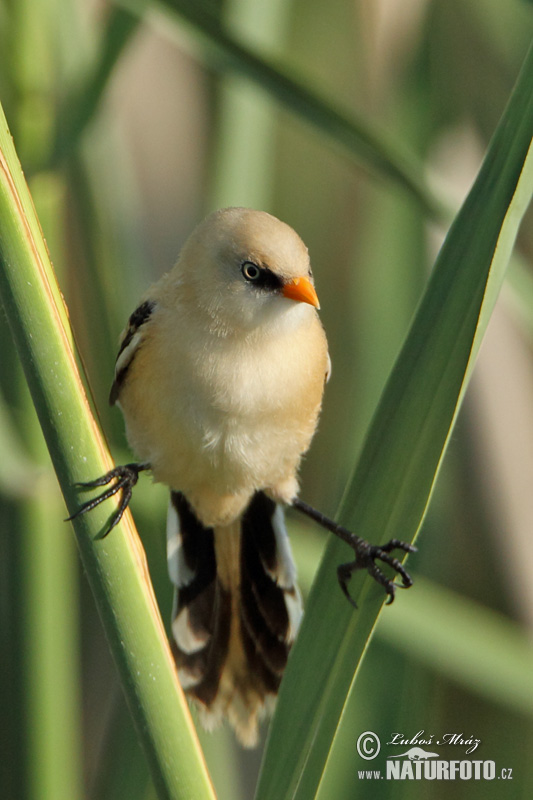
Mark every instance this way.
x=261 y=277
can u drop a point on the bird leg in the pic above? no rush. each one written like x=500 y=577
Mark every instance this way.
x=366 y=554
x=125 y=477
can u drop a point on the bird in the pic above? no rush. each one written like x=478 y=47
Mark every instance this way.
x=220 y=377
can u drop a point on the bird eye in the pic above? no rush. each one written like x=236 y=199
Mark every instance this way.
x=250 y=271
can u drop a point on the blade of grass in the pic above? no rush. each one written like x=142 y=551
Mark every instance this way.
x=115 y=565
x=446 y=631
x=390 y=489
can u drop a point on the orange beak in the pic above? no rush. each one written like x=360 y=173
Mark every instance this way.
x=301 y=290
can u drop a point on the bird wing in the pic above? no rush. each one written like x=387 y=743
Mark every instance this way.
x=130 y=341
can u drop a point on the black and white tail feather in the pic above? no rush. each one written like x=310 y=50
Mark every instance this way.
x=236 y=605
x=236 y=611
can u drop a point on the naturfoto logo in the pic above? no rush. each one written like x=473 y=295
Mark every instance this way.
x=417 y=762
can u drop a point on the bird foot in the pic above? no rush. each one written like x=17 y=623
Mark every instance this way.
x=366 y=556
x=123 y=479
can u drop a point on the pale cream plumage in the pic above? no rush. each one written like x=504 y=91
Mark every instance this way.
x=221 y=388
x=223 y=394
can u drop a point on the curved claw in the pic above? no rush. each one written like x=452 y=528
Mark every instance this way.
x=397 y=544
x=344 y=573
x=366 y=556
x=383 y=555
x=127 y=476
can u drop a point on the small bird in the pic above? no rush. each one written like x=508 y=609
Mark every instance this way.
x=220 y=376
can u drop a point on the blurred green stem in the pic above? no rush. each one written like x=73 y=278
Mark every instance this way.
x=51 y=645
x=244 y=163
x=115 y=565
x=78 y=107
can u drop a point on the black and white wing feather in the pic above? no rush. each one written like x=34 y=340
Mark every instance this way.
x=130 y=341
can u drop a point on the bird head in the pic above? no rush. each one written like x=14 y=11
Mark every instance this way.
x=248 y=270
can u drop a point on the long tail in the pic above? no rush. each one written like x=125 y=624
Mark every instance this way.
x=236 y=611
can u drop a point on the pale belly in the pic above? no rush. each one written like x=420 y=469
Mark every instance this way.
x=221 y=429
